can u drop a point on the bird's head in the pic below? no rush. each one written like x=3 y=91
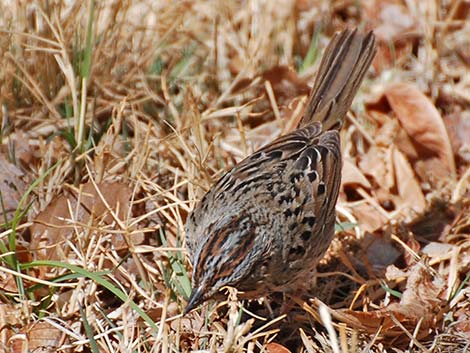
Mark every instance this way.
x=226 y=257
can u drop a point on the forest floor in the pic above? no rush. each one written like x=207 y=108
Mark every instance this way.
x=117 y=116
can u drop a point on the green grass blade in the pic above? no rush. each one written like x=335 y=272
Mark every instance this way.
x=183 y=64
x=312 y=53
x=19 y=212
x=97 y=277
x=343 y=226
x=181 y=279
x=12 y=260
x=85 y=67
x=393 y=292
x=89 y=331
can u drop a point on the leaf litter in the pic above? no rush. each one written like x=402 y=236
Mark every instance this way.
x=179 y=92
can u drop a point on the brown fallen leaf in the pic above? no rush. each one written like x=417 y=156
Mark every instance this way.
x=410 y=195
x=284 y=80
x=421 y=302
x=39 y=337
x=387 y=133
x=462 y=12
x=437 y=221
x=462 y=321
x=377 y=163
x=274 y=347
x=423 y=297
x=380 y=251
x=458 y=126
x=368 y=217
x=286 y=83
x=439 y=250
x=352 y=175
x=376 y=106
x=8 y=281
x=422 y=122
x=12 y=187
x=24 y=151
x=431 y=170
x=391 y=133
x=52 y=227
x=394 y=185
x=391 y=52
x=10 y=317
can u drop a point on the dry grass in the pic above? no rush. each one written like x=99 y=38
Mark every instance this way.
x=121 y=114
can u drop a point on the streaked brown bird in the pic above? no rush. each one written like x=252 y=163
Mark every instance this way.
x=267 y=222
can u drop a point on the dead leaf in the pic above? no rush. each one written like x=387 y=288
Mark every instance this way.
x=374 y=115
x=286 y=83
x=409 y=191
x=352 y=175
x=377 y=163
x=50 y=230
x=422 y=122
x=420 y=302
x=380 y=251
x=431 y=171
x=458 y=126
x=393 y=273
x=8 y=282
x=422 y=298
x=391 y=133
x=10 y=316
x=274 y=347
x=394 y=185
x=24 y=151
x=368 y=217
x=52 y=227
x=387 y=133
x=432 y=225
x=438 y=250
x=462 y=320
x=284 y=80
x=39 y=337
x=461 y=11
x=408 y=258
x=12 y=187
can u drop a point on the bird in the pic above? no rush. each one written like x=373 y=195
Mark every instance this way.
x=265 y=224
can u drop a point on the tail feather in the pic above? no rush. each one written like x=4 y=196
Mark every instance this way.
x=344 y=64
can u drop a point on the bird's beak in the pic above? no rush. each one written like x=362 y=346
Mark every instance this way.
x=195 y=299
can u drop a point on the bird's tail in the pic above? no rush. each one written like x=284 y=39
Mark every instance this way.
x=343 y=66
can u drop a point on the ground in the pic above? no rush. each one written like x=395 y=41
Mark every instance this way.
x=117 y=116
